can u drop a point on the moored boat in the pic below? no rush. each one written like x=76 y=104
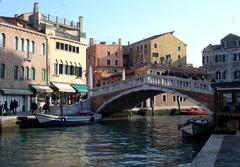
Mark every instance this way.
x=193 y=111
x=69 y=120
x=196 y=127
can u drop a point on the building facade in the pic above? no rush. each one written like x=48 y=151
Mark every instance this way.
x=22 y=62
x=159 y=49
x=222 y=61
x=105 y=60
x=66 y=51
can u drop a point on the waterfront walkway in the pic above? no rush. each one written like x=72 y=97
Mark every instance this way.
x=219 y=151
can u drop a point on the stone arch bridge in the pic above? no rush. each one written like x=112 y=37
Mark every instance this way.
x=127 y=94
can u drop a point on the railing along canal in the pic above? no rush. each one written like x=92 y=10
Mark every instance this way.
x=160 y=81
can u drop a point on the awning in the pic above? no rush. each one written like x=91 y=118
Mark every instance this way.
x=63 y=87
x=17 y=91
x=80 y=88
x=42 y=88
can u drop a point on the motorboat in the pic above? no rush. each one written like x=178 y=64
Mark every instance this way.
x=196 y=127
x=194 y=111
x=79 y=118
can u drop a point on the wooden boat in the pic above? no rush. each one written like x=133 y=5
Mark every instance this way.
x=70 y=120
x=196 y=127
x=194 y=111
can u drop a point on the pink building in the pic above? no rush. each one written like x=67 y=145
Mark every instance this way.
x=105 y=59
x=22 y=62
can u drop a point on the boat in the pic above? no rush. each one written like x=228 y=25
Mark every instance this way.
x=196 y=127
x=194 y=111
x=80 y=118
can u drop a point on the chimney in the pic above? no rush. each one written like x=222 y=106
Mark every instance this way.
x=16 y=15
x=81 y=24
x=119 y=41
x=91 y=41
x=128 y=43
x=35 y=8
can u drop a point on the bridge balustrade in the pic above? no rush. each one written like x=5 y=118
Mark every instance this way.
x=157 y=80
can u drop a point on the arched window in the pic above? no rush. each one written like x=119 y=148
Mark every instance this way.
x=32 y=46
x=237 y=74
x=16 y=43
x=61 y=67
x=32 y=73
x=22 y=44
x=164 y=98
x=2 y=71
x=66 y=68
x=43 y=49
x=56 y=68
x=15 y=73
x=218 y=75
x=71 y=69
x=22 y=73
x=224 y=74
x=174 y=97
x=43 y=76
x=3 y=40
x=27 y=74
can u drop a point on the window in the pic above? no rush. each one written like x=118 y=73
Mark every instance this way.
x=57 y=45
x=145 y=46
x=179 y=48
x=43 y=76
x=2 y=71
x=108 y=53
x=66 y=47
x=22 y=73
x=61 y=68
x=77 y=49
x=108 y=62
x=33 y=47
x=43 y=49
x=224 y=44
x=3 y=40
x=174 y=98
x=237 y=74
x=116 y=53
x=71 y=70
x=218 y=75
x=164 y=98
x=70 y=48
x=179 y=57
x=224 y=58
x=27 y=74
x=22 y=44
x=155 y=45
x=224 y=74
x=56 y=69
x=32 y=74
x=141 y=47
x=80 y=71
x=116 y=62
x=235 y=55
x=216 y=58
x=62 y=46
x=16 y=43
x=74 y=48
x=27 y=46
x=15 y=73
x=66 y=69
x=155 y=54
x=236 y=43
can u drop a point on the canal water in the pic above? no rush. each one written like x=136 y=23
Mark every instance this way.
x=148 y=142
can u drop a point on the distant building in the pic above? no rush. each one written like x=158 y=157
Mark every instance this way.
x=159 y=49
x=22 y=61
x=65 y=48
x=222 y=61
x=105 y=60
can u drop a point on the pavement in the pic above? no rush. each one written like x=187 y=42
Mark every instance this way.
x=219 y=151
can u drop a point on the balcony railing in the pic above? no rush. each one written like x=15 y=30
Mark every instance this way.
x=69 y=36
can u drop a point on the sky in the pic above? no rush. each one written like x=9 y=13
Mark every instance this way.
x=196 y=22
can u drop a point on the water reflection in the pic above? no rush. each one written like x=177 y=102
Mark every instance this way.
x=137 y=142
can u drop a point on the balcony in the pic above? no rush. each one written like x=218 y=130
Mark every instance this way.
x=69 y=36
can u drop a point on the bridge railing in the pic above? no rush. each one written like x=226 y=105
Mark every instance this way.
x=157 y=80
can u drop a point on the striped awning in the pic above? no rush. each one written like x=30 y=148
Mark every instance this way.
x=62 y=87
x=42 y=88
x=17 y=91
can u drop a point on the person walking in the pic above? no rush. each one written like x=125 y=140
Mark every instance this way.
x=11 y=107
x=34 y=107
x=15 y=105
x=5 y=107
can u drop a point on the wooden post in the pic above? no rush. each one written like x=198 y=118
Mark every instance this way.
x=152 y=106
x=61 y=105
x=179 y=107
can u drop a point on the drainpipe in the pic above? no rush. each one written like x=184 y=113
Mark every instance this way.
x=90 y=80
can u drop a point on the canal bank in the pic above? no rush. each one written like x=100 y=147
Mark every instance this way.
x=219 y=151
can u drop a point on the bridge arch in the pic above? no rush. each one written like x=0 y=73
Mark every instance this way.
x=127 y=99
